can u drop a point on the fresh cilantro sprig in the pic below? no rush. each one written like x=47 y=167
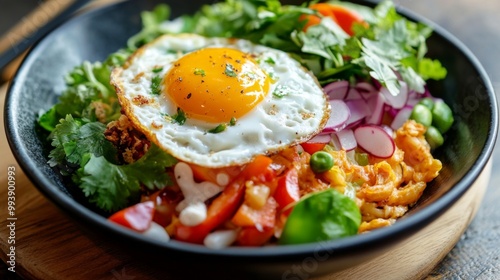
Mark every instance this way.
x=88 y=95
x=112 y=187
x=72 y=138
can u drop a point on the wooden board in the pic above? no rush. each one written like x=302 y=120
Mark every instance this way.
x=50 y=246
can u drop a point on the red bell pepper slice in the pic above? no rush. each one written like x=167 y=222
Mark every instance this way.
x=251 y=236
x=137 y=217
x=343 y=16
x=287 y=191
x=226 y=204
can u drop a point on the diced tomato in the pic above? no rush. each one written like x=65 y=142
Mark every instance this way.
x=258 y=169
x=202 y=173
x=288 y=189
x=166 y=200
x=137 y=217
x=251 y=236
x=343 y=16
x=311 y=147
x=226 y=204
x=247 y=216
x=221 y=209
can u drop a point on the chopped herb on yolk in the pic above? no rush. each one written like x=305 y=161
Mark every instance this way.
x=230 y=70
x=198 y=71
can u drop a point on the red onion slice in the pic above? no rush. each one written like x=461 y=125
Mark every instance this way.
x=375 y=141
x=401 y=117
x=338 y=116
x=346 y=139
x=337 y=90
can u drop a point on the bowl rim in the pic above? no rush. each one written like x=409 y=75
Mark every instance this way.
x=376 y=239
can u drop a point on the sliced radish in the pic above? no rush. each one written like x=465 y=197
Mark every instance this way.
x=376 y=103
x=388 y=129
x=337 y=90
x=375 y=140
x=391 y=111
x=354 y=124
x=353 y=94
x=336 y=143
x=396 y=101
x=338 y=116
x=414 y=97
x=320 y=138
x=359 y=110
x=377 y=84
x=365 y=88
x=412 y=102
x=346 y=139
x=401 y=117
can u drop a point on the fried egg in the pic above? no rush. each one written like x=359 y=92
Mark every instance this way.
x=219 y=102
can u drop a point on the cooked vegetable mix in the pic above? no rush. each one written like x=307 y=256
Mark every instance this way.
x=366 y=162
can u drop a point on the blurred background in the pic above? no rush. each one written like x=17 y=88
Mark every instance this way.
x=12 y=11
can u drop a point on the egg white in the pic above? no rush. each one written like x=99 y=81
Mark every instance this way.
x=274 y=124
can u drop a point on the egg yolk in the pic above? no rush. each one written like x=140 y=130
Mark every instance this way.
x=216 y=84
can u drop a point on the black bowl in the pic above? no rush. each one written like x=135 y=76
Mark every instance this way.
x=94 y=35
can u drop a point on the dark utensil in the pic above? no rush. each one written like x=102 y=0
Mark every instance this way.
x=16 y=50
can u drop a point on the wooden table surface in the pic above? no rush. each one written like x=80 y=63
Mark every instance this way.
x=475 y=256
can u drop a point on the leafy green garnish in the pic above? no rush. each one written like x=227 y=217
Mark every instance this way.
x=73 y=138
x=157 y=70
x=221 y=127
x=320 y=216
x=431 y=69
x=48 y=120
x=88 y=95
x=270 y=61
x=198 y=71
x=111 y=187
x=232 y=122
x=229 y=71
x=156 y=85
x=180 y=117
x=381 y=51
x=218 y=129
